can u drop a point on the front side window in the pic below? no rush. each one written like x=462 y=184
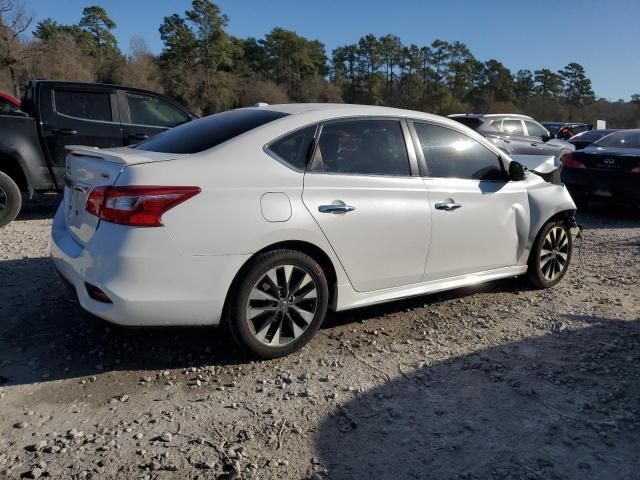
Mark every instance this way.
x=451 y=154
x=148 y=110
x=512 y=127
x=534 y=129
x=294 y=149
x=87 y=105
x=366 y=147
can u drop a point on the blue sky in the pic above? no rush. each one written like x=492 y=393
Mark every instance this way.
x=602 y=36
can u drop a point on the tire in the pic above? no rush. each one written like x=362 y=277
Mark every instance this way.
x=10 y=200
x=551 y=255
x=268 y=319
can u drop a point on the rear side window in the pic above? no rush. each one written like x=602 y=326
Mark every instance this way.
x=293 y=149
x=148 y=110
x=87 y=105
x=365 y=147
x=451 y=154
x=207 y=132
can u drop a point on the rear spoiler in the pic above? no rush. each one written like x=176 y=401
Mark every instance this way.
x=122 y=155
x=94 y=152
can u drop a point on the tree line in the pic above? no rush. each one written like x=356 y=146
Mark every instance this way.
x=208 y=69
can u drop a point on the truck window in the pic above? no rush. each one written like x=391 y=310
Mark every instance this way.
x=87 y=105
x=149 y=110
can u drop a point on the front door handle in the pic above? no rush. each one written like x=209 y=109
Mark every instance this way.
x=448 y=206
x=336 y=208
x=64 y=131
x=535 y=144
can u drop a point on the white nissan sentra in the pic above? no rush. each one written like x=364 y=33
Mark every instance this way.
x=266 y=217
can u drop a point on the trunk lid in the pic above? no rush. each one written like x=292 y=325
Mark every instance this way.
x=610 y=159
x=88 y=168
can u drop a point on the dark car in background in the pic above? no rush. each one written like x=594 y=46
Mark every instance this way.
x=516 y=134
x=566 y=130
x=606 y=169
x=56 y=114
x=584 y=139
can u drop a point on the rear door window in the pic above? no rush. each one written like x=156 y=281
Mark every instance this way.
x=85 y=105
x=208 y=132
x=150 y=110
x=512 y=127
x=365 y=147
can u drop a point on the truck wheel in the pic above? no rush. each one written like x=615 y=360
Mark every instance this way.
x=10 y=199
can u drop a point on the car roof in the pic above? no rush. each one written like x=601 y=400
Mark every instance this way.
x=329 y=110
x=492 y=115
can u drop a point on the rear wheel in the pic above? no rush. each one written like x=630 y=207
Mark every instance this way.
x=550 y=255
x=279 y=303
x=10 y=200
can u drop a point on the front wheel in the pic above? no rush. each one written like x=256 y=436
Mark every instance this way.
x=279 y=303
x=10 y=200
x=550 y=255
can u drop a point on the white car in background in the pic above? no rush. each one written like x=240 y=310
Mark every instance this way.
x=267 y=217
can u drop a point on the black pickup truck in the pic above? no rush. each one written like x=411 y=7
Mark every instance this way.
x=55 y=114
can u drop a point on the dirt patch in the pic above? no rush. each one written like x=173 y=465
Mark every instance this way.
x=498 y=381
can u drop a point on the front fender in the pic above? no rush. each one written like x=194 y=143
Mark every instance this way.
x=545 y=201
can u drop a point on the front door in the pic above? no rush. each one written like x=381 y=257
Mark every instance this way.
x=78 y=116
x=362 y=194
x=478 y=216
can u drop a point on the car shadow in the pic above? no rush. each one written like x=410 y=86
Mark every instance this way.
x=40 y=207
x=603 y=214
x=559 y=406
x=45 y=335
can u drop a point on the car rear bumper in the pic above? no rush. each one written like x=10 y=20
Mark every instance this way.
x=148 y=280
x=617 y=185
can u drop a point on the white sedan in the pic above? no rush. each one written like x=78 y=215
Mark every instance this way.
x=266 y=217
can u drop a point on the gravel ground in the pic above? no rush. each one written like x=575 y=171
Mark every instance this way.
x=499 y=382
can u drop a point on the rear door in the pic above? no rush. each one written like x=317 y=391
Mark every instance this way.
x=145 y=115
x=364 y=192
x=77 y=115
x=479 y=217
x=518 y=140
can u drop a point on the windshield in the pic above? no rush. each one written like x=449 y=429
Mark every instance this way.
x=207 y=132
x=624 y=139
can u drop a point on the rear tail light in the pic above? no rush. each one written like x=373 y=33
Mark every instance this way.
x=570 y=161
x=635 y=170
x=140 y=206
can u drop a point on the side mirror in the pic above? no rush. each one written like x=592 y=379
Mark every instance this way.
x=516 y=171
x=546 y=138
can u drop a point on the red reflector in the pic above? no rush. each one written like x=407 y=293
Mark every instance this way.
x=140 y=206
x=97 y=294
x=570 y=161
x=635 y=170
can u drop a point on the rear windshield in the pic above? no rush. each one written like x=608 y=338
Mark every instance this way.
x=207 y=132
x=624 y=139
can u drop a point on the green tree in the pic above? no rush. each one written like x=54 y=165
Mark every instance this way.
x=461 y=64
x=547 y=83
x=97 y=23
x=390 y=51
x=290 y=60
x=523 y=85
x=577 y=87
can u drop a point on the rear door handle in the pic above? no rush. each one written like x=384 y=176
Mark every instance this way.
x=64 y=131
x=336 y=208
x=448 y=206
